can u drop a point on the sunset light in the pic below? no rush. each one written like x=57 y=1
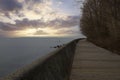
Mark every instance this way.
x=40 y=32
x=43 y=18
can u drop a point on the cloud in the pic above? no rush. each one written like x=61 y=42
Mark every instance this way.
x=33 y=1
x=40 y=32
x=10 y=9
x=26 y=23
x=10 y=5
x=70 y=31
x=7 y=27
x=21 y=25
x=18 y=15
x=42 y=9
x=30 y=9
x=71 y=21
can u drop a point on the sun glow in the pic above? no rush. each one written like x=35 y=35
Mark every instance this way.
x=26 y=32
x=30 y=31
x=49 y=32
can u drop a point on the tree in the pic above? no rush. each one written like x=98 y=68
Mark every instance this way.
x=100 y=22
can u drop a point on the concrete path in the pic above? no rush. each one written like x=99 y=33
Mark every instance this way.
x=94 y=63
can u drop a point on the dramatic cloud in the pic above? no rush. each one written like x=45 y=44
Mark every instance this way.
x=7 y=27
x=20 y=25
x=10 y=5
x=71 y=21
x=26 y=23
x=30 y=9
x=36 y=17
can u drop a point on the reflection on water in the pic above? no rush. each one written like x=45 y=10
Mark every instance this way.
x=17 y=52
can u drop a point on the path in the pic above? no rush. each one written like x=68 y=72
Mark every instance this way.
x=94 y=63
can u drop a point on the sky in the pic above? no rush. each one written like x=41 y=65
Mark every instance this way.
x=39 y=18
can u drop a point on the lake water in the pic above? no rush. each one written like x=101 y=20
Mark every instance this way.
x=18 y=52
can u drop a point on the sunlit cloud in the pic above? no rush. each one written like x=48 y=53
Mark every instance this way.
x=34 y=18
x=33 y=27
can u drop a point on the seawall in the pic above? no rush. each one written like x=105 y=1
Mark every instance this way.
x=54 y=66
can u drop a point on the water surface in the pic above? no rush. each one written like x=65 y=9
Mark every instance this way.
x=18 y=52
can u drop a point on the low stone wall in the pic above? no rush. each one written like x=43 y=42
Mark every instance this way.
x=55 y=66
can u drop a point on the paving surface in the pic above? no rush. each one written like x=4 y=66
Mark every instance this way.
x=94 y=63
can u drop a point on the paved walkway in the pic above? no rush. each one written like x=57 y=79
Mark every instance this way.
x=94 y=63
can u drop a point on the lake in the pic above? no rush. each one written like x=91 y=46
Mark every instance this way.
x=18 y=52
